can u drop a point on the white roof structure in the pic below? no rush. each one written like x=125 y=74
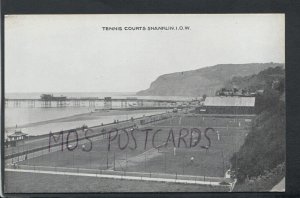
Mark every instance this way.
x=230 y=101
x=17 y=133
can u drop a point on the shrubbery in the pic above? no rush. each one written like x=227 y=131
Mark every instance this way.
x=264 y=147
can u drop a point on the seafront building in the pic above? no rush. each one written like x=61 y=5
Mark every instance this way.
x=228 y=105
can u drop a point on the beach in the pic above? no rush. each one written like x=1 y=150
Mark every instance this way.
x=38 y=120
x=91 y=118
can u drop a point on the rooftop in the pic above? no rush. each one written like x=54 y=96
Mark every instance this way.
x=17 y=133
x=230 y=101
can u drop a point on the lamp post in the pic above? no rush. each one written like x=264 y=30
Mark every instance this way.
x=114 y=161
x=223 y=163
x=107 y=159
x=165 y=162
x=183 y=165
x=83 y=147
x=70 y=147
x=90 y=160
x=145 y=161
x=126 y=160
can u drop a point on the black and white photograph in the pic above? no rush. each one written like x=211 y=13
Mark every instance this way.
x=112 y=103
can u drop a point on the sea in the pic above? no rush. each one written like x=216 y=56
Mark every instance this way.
x=27 y=119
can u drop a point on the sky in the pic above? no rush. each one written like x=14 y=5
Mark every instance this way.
x=73 y=53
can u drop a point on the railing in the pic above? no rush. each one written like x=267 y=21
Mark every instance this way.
x=155 y=176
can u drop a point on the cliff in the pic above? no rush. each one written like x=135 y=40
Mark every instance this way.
x=202 y=81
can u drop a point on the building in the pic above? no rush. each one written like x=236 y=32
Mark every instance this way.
x=228 y=105
x=107 y=103
x=12 y=139
x=49 y=97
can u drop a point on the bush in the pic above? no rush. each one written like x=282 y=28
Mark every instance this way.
x=264 y=147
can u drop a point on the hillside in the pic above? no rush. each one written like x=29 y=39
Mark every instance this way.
x=202 y=81
x=264 y=146
x=262 y=80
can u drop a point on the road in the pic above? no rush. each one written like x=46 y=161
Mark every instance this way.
x=124 y=177
x=44 y=141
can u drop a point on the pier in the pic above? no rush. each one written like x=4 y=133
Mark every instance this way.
x=106 y=103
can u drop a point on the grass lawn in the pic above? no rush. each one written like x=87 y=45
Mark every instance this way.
x=212 y=162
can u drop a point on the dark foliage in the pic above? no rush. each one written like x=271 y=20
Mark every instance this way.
x=264 y=147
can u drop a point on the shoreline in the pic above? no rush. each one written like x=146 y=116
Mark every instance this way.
x=91 y=116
